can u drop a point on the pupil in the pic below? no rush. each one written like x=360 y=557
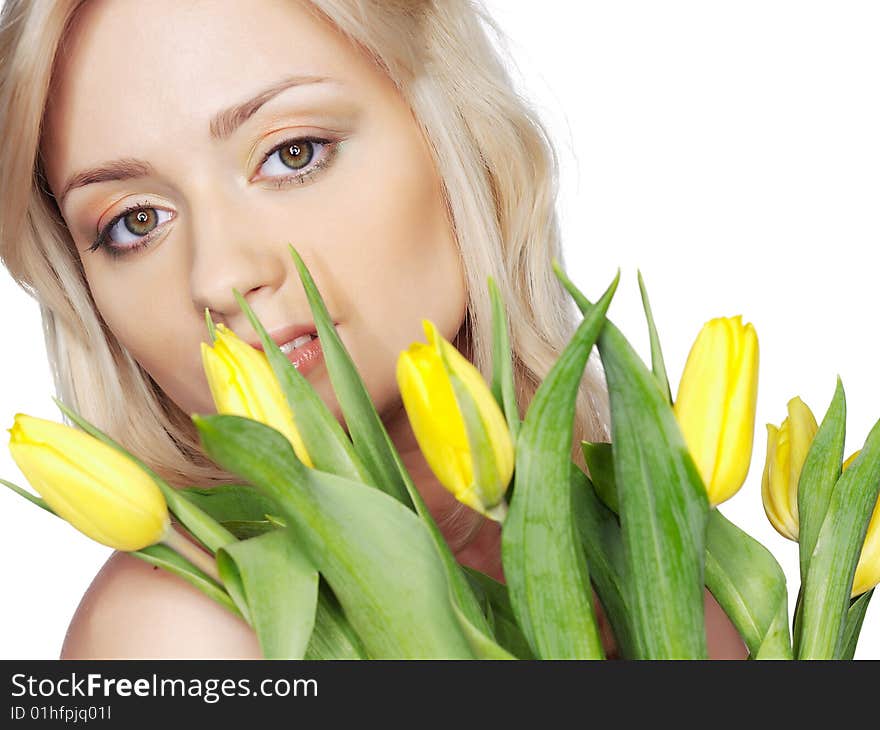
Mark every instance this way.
x=297 y=155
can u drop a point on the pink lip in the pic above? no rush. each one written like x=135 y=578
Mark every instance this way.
x=288 y=334
x=308 y=357
x=304 y=358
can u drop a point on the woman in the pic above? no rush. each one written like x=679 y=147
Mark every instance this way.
x=181 y=150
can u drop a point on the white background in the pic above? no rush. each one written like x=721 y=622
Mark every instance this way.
x=728 y=150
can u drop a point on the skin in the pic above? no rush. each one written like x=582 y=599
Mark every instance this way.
x=371 y=225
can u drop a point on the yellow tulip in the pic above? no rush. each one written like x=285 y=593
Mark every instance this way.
x=243 y=384
x=97 y=489
x=787 y=448
x=439 y=427
x=715 y=407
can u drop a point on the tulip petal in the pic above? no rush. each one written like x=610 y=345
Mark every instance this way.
x=774 y=508
x=434 y=416
x=802 y=430
x=200 y=525
x=738 y=420
x=868 y=569
x=99 y=491
x=499 y=469
x=702 y=394
x=242 y=383
x=780 y=480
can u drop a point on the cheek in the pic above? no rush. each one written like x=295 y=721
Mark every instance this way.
x=156 y=327
x=395 y=259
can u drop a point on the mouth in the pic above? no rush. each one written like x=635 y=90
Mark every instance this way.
x=305 y=352
x=291 y=337
x=299 y=342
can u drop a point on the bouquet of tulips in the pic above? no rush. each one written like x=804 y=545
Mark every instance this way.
x=302 y=548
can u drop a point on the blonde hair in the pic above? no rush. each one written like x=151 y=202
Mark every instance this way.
x=499 y=174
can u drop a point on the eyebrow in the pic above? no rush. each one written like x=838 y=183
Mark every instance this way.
x=222 y=126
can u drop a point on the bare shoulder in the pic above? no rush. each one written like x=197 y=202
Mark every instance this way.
x=135 y=610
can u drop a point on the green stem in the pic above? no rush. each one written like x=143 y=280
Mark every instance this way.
x=191 y=552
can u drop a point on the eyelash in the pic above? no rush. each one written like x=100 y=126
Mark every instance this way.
x=331 y=147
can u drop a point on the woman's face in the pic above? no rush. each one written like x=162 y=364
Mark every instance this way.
x=204 y=137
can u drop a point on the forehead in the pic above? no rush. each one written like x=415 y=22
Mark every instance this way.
x=130 y=74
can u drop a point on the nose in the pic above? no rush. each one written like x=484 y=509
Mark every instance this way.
x=230 y=250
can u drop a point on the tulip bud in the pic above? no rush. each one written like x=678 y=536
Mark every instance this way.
x=423 y=375
x=787 y=448
x=243 y=384
x=96 y=488
x=715 y=407
x=868 y=569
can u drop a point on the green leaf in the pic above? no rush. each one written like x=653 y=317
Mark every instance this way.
x=32 y=498
x=353 y=534
x=503 y=384
x=332 y=638
x=376 y=448
x=367 y=432
x=232 y=502
x=663 y=504
x=749 y=585
x=797 y=620
x=657 y=364
x=276 y=586
x=246 y=529
x=599 y=461
x=209 y=323
x=200 y=525
x=482 y=646
x=164 y=557
x=855 y=616
x=547 y=576
x=742 y=574
x=602 y=543
x=503 y=620
x=828 y=586
x=819 y=474
x=485 y=470
x=324 y=439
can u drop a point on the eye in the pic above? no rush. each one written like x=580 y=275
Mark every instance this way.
x=294 y=160
x=131 y=229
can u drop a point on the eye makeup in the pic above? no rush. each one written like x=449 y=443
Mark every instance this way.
x=305 y=156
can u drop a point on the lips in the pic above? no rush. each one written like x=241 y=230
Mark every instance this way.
x=300 y=344
x=286 y=335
